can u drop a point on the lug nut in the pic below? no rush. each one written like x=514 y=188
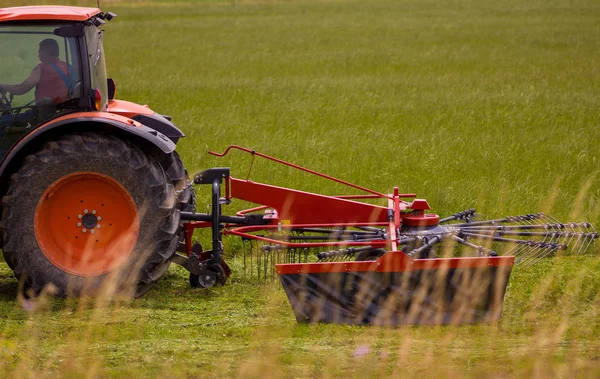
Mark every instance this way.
x=79 y=216
x=98 y=226
x=84 y=230
x=78 y=224
x=99 y=218
x=85 y=211
x=94 y=212
x=92 y=231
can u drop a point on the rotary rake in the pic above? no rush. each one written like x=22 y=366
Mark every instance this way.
x=343 y=259
x=529 y=238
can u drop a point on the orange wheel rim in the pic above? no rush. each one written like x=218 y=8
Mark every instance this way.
x=86 y=223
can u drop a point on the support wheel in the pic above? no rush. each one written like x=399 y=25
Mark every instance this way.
x=214 y=275
x=90 y=213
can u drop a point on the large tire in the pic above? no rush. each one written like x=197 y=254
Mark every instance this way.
x=186 y=195
x=175 y=170
x=58 y=197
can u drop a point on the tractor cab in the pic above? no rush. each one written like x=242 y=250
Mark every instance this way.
x=51 y=64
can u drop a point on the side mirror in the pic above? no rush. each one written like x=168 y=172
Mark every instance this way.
x=112 y=88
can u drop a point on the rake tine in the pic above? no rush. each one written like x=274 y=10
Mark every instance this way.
x=522 y=261
x=244 y=253
x=517 y=250
x=577 y=242
x=265 y=264
x=569 y=238
x=251 y=263
x=540 y=253
x=529 y=247
x=528 y=251
x=274 y=259
x=588 y=240
x=553 y=247
x=533 y=260
x=523 y=250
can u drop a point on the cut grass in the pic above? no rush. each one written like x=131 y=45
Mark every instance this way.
x=468 y=103
x=550 y=324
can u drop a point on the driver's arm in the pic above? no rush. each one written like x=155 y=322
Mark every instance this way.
x=18 y=89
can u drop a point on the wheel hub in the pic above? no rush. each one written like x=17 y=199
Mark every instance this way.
x=89 y=221
x=86 y=223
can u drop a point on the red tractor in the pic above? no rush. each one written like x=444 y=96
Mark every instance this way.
x=94 y=196
x=89 y=183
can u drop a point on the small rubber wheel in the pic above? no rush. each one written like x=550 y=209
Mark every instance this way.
x=214 y=275
x=90 y=212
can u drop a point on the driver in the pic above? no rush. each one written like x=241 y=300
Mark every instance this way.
x=50 y=78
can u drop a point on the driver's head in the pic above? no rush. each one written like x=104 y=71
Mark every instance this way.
x=48 y=51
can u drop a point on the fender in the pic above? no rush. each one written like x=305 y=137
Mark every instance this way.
x=115 y=124
x=146 y=116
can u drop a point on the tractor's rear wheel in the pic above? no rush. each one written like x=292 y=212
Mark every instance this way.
x=89 y=212
x=175 y=170
x=186 y=195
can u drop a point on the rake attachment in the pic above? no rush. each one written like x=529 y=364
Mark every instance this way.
x=529 y=238
x=344 y=260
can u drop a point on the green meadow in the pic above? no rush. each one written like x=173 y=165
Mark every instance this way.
x=470 y=104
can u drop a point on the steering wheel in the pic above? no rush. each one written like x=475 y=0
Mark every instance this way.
x=5 y=101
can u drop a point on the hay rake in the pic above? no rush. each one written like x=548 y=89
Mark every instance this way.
x=341 y=259
x=529 y=238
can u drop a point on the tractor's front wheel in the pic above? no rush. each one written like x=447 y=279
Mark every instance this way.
x=89 y=212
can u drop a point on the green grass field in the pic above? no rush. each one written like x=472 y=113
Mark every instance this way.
x=484 y=104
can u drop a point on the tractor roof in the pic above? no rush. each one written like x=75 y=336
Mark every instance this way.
x=47 y=12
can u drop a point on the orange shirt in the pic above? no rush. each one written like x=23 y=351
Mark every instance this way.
x=51 y=85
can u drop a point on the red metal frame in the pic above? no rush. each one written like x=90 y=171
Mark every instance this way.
x=315 y=289
x=255 y=153
x=299 y=207
x=294 y=208
x=394 y=261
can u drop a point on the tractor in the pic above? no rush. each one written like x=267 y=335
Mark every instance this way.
x=89 y=183
x=95 y=197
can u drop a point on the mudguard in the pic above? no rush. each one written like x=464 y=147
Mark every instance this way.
x=83 y=122
x=146 y=116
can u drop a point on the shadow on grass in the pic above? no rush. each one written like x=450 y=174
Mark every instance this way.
x=8 y=288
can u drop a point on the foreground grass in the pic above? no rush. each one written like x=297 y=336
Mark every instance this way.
x=468 y=103
x=550 y=326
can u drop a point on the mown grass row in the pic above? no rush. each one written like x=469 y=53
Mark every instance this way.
x=549 y=327
x=468 y=103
